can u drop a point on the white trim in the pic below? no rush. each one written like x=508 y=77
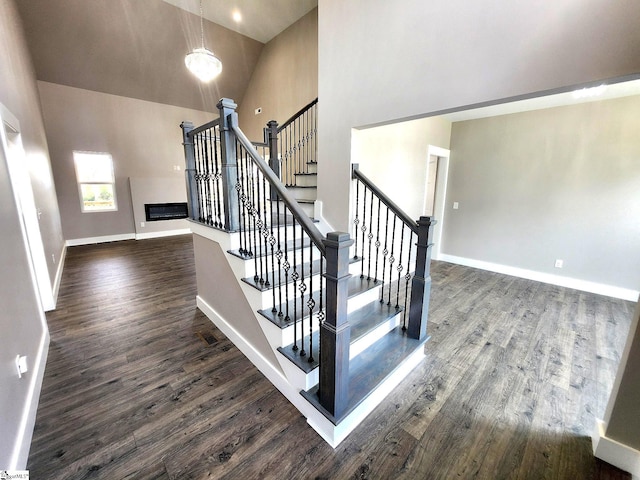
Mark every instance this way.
x=442 y=177
x=58 y=277
x=584 y=285
x=28 y=420
x=164 y=233
x=107 y=238
x=614 y=452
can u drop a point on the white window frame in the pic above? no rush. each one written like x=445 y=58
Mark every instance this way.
x=107 y=180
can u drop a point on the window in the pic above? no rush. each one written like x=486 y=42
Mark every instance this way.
x=96 y=182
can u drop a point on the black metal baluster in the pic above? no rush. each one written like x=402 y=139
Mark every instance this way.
x=259 y=224
x=377 y=244
x=244 y=251
x=391 y=257
x=239 y=193
x=302 y=287
x=279 y=257
x=272 y=242
x=217 y=177
x=207 y=145
x=370 y=237
x=407 y=278
x=295 y=276
x=399 y=267
x=214 y=177
x=385 y=252
x=201 y=193
x=265 y=231
x=286 y=265
x=311 y=302
x=363 y=228
x=356 y=221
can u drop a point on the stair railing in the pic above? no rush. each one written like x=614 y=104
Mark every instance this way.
x=232 y=188
x=296 y=140
x=384 y=237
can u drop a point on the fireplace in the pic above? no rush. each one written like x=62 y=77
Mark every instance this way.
x=165 y=211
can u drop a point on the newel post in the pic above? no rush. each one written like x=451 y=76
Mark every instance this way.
x=190 y=171
x=421 y=282
x=271 y=139
x=226 y=106
x=335 y=332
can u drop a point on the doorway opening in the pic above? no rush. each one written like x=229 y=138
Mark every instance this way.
x=435 y=192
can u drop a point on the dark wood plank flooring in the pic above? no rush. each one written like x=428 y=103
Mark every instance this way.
x=139 y=384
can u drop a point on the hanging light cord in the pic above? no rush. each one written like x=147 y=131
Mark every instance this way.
x=201 y=25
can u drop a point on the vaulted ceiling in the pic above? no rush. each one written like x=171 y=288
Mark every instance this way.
x=136 y=48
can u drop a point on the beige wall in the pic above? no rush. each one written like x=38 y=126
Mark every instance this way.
x=143 y=138
x=22 y=327
x=134 y=48
x=394 y=157
x=285 y=78
x=558 y=183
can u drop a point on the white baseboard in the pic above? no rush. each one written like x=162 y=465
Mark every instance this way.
x=104 y=239
x=58 y=277
x=583 y=285
x=164 y=233
x=27 y=423
x=615 y=453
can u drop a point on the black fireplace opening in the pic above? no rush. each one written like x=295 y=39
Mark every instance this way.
x=165 y=211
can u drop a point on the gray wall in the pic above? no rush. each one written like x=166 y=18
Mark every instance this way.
x=134 y=48
x=382 y=61
x=22 y=326
x=285 y=78
x=558 y=183
x=143 y=138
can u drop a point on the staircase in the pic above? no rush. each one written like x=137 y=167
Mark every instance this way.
x=335 y=323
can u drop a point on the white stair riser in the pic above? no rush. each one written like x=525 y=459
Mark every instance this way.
x=303 y=193
x=306 y=180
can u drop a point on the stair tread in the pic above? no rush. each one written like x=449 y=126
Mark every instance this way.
x=356 y=286
x=290 y=246
x=369 y=369
x=361 y=321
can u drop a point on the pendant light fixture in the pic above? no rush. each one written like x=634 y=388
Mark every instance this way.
x=202 y=62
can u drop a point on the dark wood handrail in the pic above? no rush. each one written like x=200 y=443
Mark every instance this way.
x=308 y=226
x=401 y=214
x=206 y=126
x=296 y=115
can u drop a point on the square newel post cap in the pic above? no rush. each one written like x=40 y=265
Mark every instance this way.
x=226 y=103
x=338 y=239
x=426 y=221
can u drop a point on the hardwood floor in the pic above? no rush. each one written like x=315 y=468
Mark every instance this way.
x=139 y=383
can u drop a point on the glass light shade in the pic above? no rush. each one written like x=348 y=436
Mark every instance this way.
x=203 y=64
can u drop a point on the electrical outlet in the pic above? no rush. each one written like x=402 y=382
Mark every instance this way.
x=21 y=365
x=142 y=224
x=455 y=205
x=558 y=263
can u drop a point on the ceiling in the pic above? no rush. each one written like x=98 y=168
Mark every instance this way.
x=261 y=19
x=616 y=90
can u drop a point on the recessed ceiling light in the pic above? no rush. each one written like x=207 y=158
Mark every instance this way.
x=237 y=16
x=589 y=92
